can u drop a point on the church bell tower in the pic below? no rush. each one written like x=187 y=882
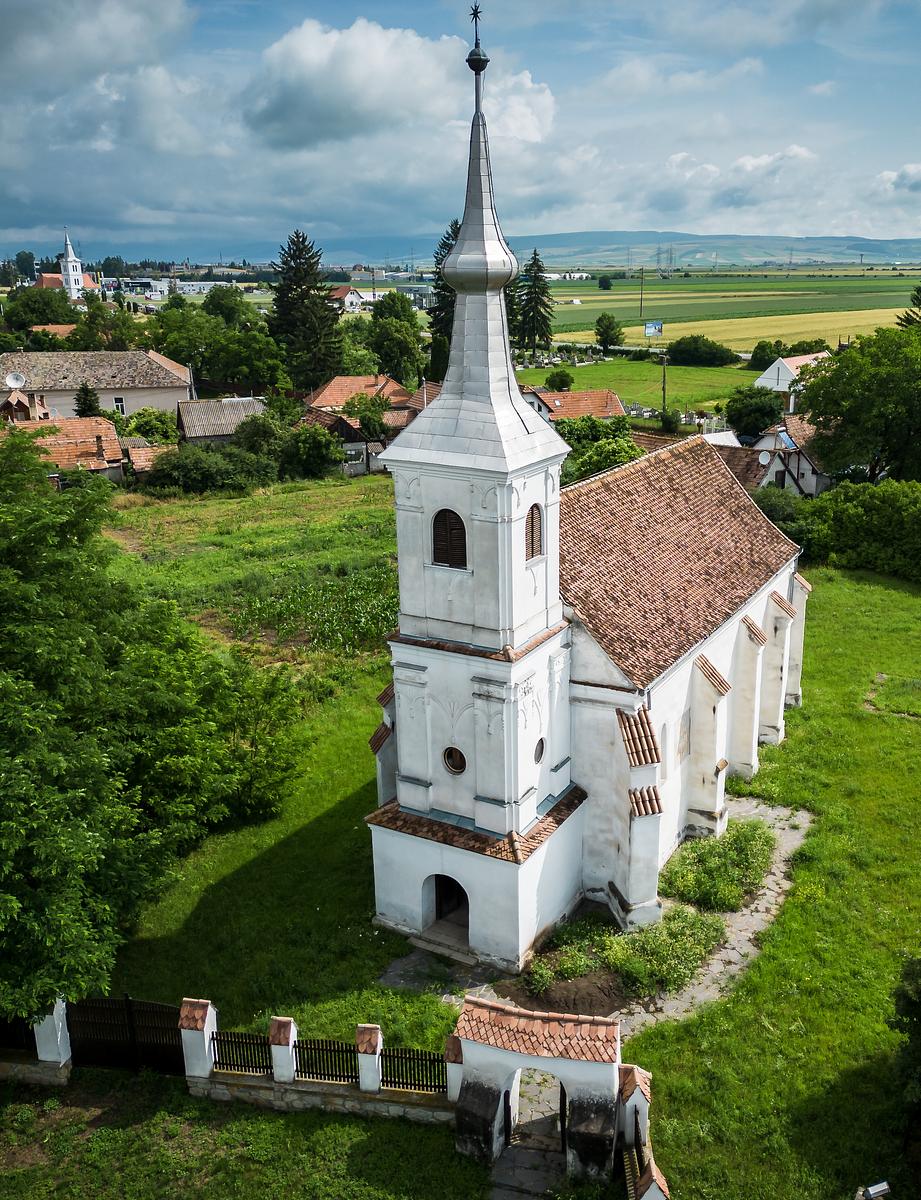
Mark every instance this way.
x=71 y=270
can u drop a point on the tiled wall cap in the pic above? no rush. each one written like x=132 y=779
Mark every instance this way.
x=631 y=1078
x=454 y=1051
x=368 y=1039
x=651 y=1175
x=784 y=605
x=193 y=1014
x=280 y=1031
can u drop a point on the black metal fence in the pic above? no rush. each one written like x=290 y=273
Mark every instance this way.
x=121 y=1032
x=318 y=1058
x=247 y=1053
x=17 y=1035
x=413 y=1070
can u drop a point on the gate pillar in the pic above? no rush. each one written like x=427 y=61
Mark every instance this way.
x=591 y=1136
x=282 y=1036
x=52 y=1039
x=479 y=1123
x=197 y=1022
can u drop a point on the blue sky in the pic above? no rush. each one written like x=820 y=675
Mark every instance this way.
x=188 y=127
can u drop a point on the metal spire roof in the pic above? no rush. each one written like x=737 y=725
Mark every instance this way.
x=479 y=420
x=68 y=248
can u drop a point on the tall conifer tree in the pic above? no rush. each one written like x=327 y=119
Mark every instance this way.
x=441 y=314
x=513 y=310
x=535 y=305
x=86 y=401
x=303 y=320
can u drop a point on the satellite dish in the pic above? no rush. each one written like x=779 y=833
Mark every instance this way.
x=764 y=458
x=15 y=380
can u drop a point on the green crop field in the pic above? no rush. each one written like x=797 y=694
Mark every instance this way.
x=786 y=1088
x=641 y=382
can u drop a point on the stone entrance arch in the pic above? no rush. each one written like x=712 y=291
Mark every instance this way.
x=494 y=1042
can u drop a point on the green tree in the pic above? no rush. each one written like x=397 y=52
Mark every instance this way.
x=201 y=469
x=512 y=293
x=441 y=314
x=262 y=434
x=309 y=452
x=695 y=350
x=123 y=739
x=866 y=405
x=303 y=321
x=28 y=306
x=8 y=273
x=604 y=282
x=247 y=360
x=764 y=354
x=535 y=305
x=580 y=433
x=560 y=380
x=173 y=301
x=190 y=336
x=113 y=266
x=907 y=1021
x=600 y=456
x=152 y=423
x=608 y=332
x=230 y=304
x=100 y=328
x=396 y=338
x=25 y=263
x=368 y=411
x=439 y=354
x=750 y=409
x=86 y=401
x=911 y=318
x=357 y=356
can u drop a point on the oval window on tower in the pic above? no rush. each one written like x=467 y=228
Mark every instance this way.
x=455 y=761
x=539 y=751
x=449 y=540
x=534 y=533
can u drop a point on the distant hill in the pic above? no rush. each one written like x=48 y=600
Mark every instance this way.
x=610 y=248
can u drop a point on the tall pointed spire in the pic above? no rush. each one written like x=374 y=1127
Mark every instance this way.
x=480 y=419
x=68 y=248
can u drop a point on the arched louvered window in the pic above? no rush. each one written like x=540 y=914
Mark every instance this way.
x=534 y=533
x=449 y=540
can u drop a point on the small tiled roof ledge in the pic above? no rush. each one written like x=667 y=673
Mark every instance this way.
x=803 y=583
x=543 y=1034
x=651 y=1175
x=633 y=1077
x=755 y=632
x=718 y=682
x=784 y=605
x=639 y=737
x=645 y=802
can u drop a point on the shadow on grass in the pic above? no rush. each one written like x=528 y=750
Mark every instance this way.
x=851 y=1132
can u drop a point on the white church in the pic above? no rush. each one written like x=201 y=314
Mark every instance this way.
x=575 y=671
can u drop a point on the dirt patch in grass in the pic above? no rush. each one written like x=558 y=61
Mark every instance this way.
x=597 y=994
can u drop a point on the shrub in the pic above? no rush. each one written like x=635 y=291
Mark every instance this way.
x=560 y=380
x=670 y=420
x=309 y=452
x=695 y=350
x=574 y=962
x=719 y=873
x=540 y=977
x=750 y=409
x=198 y=469
x=663 y=957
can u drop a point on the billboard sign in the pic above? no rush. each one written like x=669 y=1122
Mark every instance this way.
x=653 y=328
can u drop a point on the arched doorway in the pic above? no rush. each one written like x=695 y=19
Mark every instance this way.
x=447 y=906
x=540 y=1110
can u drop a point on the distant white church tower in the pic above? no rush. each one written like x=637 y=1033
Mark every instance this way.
x=71 y=270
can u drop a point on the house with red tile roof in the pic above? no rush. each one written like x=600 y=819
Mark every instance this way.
x=783 y=376
x=575 y=670
x=597 y=402
x=793 y=462
x=336 y=394
x=346 y=298
x=84 y=443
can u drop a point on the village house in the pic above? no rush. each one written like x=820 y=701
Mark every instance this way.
x=346 y=298
x=555 y=406
x=213 y=422
x=335 y=394
x=783 y=373
x=793 y=462
x=575 y=672
x=126 y=380
x=87 y=443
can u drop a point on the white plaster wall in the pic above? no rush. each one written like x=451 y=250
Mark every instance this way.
x=499 y=1067
x=601 y=767
x=61 y=404
x=551 y=880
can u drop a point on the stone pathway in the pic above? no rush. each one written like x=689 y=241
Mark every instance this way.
x=533 y=1164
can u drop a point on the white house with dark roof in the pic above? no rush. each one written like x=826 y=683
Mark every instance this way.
x=574 y=672
x=126 y=380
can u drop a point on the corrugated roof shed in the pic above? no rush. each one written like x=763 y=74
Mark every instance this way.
x=216 y=418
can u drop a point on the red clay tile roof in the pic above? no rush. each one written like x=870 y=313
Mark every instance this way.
x=802 y=432
x=512 y=848
x=651 y=1174
x=386 y=696
x=398 y=418
x=645 y=802
x=744 y=464
x=181 y=372
x=597 y=402
x=652 y=441
x=379 y=737
x=784 y=605
x=632 y=1078
x=192 y=1014
x=657 y=554
x=454 y=1051
x=755 y=631
x=48 y=279
x=335 y=393
x=798 y=361
x=74 y=442
x=280 y=1030
x=804 y=583
x=719 y=682
x=422 y=397
x=639 y=738
x=60 y=331
x=368 y=1039
x=544 y=1034
x=341 y=292
x=142 y=458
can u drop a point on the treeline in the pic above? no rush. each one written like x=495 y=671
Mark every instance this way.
x=125 y=739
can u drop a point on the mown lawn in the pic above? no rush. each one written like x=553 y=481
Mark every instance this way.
x=111 y=1136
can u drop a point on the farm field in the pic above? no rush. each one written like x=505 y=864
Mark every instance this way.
x=786 y=1088
x=641 y=382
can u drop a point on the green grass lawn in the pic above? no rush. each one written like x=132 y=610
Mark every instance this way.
x=116 y=1137
x=641 y=382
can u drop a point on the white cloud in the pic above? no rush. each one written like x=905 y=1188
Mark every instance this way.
x=656 y=75
x=827 y=87
x=906 y=179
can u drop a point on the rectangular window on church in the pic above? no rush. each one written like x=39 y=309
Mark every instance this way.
x=684 y=735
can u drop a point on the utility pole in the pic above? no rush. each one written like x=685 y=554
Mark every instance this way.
x=664 y=385
x=642 y=281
